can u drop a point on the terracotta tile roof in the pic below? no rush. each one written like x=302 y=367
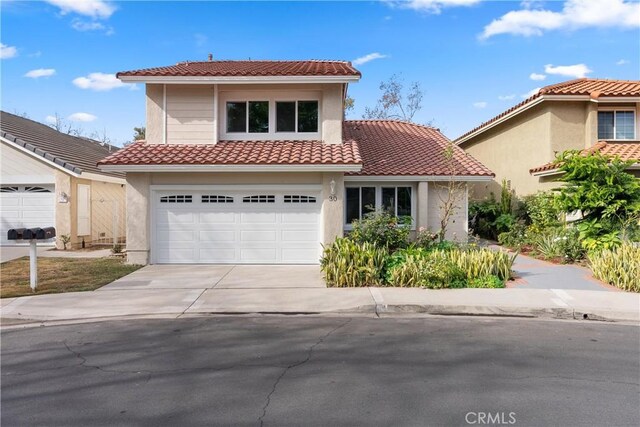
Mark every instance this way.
x=237 y=153
x=594 y=88
x=248 y=69
x=390 y=147
x=623 y=150
x=72 y=153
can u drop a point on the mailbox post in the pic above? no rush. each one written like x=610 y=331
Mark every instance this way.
x=32 y=235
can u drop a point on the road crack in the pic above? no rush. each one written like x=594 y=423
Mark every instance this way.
x=295 y=365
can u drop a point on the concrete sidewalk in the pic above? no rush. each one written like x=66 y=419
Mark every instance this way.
x=172 y=303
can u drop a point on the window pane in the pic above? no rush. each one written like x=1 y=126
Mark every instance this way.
x=368 y=200
x=404 y=201
x=285 y=116
x=625 y=124
x=236 y=116
x=353 y=205
x=605 y=124
x=389 y=200
x=258 y=116
x=307 y=116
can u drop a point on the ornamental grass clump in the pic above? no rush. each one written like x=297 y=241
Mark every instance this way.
x=619 y=266
x=480 y=262
x=428 y=272
x=350 y=264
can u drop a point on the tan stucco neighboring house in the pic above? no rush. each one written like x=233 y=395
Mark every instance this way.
x=49 y=178
x=252 y=162
x=575 y=114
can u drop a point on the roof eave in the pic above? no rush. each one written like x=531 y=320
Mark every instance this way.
x=40 y=154
x=236 y=79
x=414 y=178
x=352 y=167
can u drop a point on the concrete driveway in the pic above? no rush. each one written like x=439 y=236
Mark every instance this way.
x=221 y=277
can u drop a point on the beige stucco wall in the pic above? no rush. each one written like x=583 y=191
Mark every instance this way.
x=511 y=149
x=457 y=228
x=63 y=210
x=332 y=210
x=138 y=228
x=568 y=126
x=155 y=114
x=190 y=114
x=108 y=217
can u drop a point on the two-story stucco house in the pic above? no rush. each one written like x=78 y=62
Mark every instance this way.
x=587 y=114
x=253 y=162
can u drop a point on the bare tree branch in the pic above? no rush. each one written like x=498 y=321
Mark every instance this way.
x=392 y=103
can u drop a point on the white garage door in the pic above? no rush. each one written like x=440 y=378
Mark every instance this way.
x=25 y=206
x=276 y=227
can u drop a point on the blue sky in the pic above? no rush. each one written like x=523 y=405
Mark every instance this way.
x=473 y=58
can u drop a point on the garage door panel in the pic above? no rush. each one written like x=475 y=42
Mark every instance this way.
x=217 y=236
x=235 y=231
x=217 y=217
x=21 y=208
x=9 y=200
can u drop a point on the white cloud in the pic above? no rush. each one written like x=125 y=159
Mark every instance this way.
x=576 y=71
x=51 y=120
x=7 y=51
x=537 y=77
x=80 y=117
x=97 y=9
x=36 y=54
x=506 y=97
x=531 y=93
x=40 y=72
x=432 y=6
x=368 y=58
x=80 y=25
x=622 y=62
x=101 y=82
x=480 y=104
x=575 y=14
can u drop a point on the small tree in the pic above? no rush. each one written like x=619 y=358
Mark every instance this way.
x=452 y=192
x=139 y=133
x=606 y=195
x=65 y=126
x=394 y=103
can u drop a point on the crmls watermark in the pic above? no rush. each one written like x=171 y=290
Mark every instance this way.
x=490 y=418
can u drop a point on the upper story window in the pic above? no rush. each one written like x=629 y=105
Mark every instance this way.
x=616 y=124
x=297 y=116
x=248 y=116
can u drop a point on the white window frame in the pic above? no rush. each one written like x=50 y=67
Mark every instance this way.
x=271 y=96
x=615 y=110
x=246 y=119
x=296 y=101
x=378 y=198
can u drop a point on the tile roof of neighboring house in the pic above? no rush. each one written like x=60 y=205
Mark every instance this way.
x=248 y=69
x=391 y=147
x=594 y=88
x=383 y=147
x=72 y=153
x=623 y=150
x=237 y=153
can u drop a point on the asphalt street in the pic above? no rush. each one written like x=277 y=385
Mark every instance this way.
x=299 y=371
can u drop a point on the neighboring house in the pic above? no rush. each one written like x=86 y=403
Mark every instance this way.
x=252 y=162
x=575 y=114
x=50 y=178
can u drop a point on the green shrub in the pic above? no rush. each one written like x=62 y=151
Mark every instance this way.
x=542 y=210
x=426 y=271
x=425 y=238
x=514 y=238
x=490 y=281
x=619 y=266
x=559 y=243
x=383 y=230
x=480 y=262
x=346 y=263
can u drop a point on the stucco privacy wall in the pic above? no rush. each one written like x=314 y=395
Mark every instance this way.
x=108 y=217
x=190 y=111
x=138 y=195
x=457 y=228
x=511 y=149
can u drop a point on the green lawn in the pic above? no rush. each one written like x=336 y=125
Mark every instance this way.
x=57 y=275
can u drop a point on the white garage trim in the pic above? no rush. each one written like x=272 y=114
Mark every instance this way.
x=236 y=224
x=28 y=206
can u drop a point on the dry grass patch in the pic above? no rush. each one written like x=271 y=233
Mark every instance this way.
x=57 y=275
